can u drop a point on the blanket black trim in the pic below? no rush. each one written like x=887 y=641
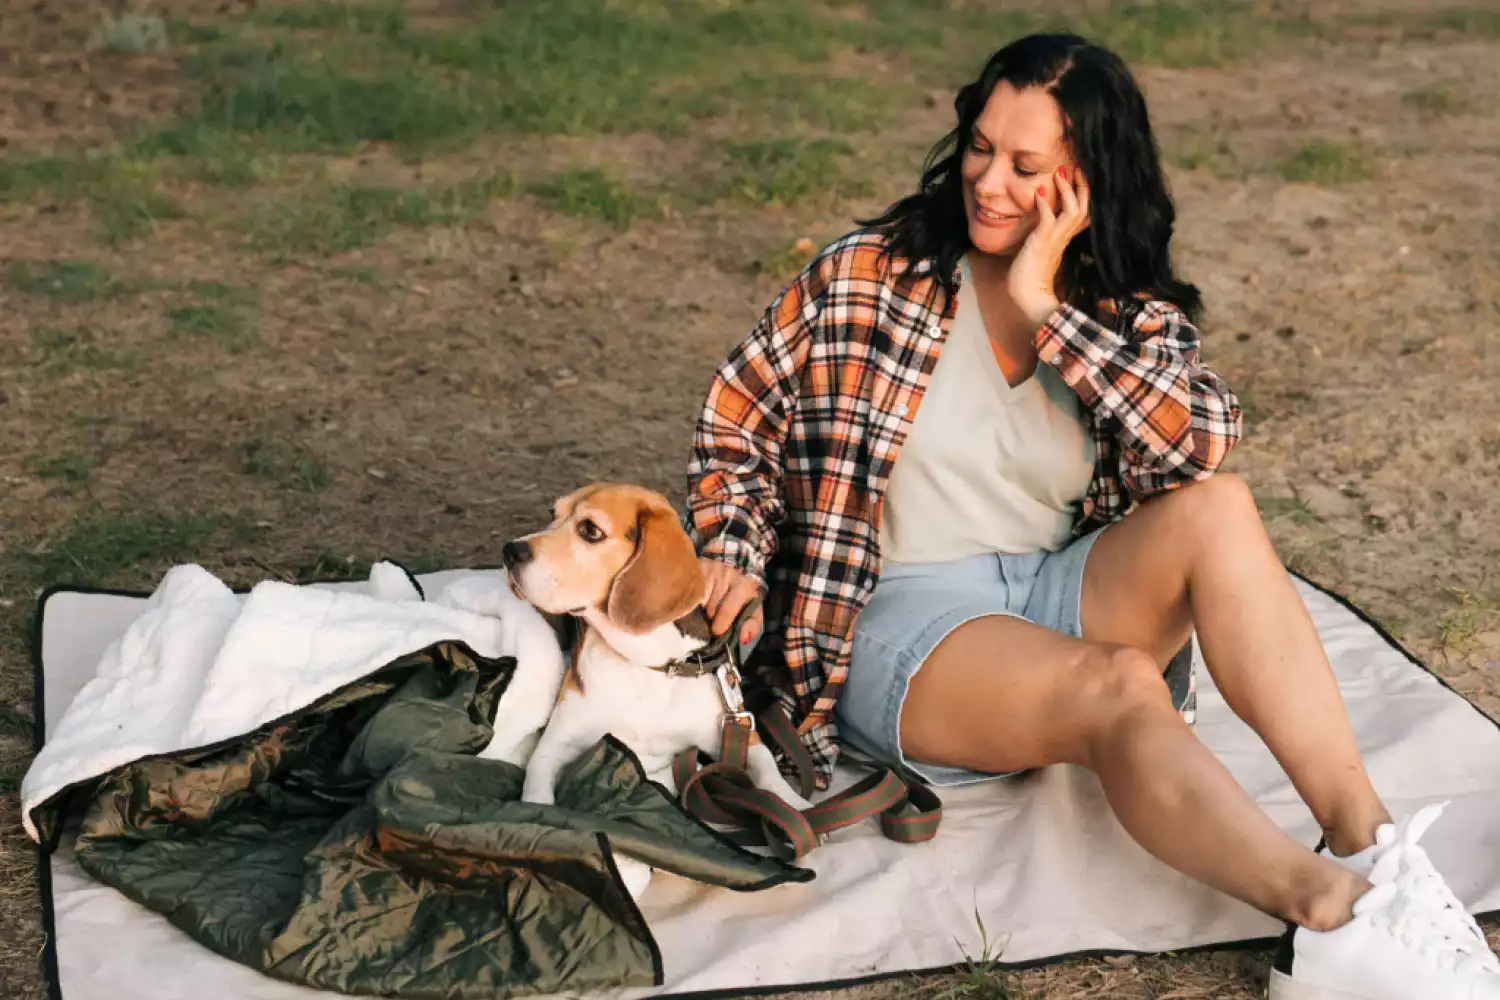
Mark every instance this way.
x=44 y=865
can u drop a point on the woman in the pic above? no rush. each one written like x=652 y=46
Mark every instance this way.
x=971 y=456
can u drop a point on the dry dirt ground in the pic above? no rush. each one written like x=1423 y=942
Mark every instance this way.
x=283 y=345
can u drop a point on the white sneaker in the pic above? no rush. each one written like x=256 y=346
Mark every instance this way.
x=1410 y=939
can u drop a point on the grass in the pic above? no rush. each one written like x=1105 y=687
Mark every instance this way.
x=14 y=725
x=594 y=194
x=117 y=548
x=789 y=170
x=328 y=15
x=1457 y=628
x=330 y=566
x=324 y=220
x=66 y=466
x=1435 y=100
x=1293 y=509
x=123 y=191
x=64 y=350
x=1326 y=162
x=70 y=281
x=132 y=33
x=289 y=465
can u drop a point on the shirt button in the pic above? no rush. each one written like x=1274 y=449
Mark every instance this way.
x=900 y=410
x=1057 y=359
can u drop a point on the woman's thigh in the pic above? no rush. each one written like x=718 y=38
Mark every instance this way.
x=1002 y=694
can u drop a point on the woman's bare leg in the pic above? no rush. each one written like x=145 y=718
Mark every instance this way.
x=1050 y=699
x=1200 y=557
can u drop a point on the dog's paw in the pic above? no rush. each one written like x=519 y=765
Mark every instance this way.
x=538 y=792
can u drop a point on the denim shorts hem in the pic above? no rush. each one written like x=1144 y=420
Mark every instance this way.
x=915 y=608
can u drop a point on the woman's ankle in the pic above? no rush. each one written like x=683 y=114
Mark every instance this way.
x=1324 y=902
x=1354 y=830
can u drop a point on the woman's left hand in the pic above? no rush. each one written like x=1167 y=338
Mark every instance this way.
x=1033 y=274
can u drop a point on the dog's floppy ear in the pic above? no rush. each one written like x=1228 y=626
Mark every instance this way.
x=662 y=581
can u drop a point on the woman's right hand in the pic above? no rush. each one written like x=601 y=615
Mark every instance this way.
x=728 y=592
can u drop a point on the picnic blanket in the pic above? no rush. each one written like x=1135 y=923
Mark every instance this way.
x=307 y=783
x=1033 y=870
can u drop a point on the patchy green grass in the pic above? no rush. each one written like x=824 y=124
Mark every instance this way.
x=285 y=464
x=64 y=350
x=1217 y=157
x=1326 y=162
x=376 y=18
x=14 y=725
x=325 y=220
x=133 y=33
x=594 y=194
x=1435 y=100
x=65 y=466
x=64 y=280
x=122 y=548
x=789 y=170
x=1458 y=627
x=224 y=324
x=123 y=193
x=1293 y=509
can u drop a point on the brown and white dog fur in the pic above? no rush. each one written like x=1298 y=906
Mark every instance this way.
x=617 y=557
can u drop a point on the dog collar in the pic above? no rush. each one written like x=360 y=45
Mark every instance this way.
x=721 y=650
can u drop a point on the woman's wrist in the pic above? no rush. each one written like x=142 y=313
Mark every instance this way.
x=1040 y=310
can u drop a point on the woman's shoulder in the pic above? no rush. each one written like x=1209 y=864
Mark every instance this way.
x=863 y=255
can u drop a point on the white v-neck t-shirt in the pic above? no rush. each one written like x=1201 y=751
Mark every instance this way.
x=986 y=467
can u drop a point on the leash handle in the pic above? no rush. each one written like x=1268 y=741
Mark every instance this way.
x=721 y=793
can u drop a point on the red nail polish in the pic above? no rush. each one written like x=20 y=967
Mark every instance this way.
x=1063 y=172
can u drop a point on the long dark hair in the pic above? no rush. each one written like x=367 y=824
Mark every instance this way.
x=1125 y=250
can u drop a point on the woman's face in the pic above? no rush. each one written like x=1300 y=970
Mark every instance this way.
x=1013 y=157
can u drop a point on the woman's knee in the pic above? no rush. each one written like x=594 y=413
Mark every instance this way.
x=1118 y=683
x=1221 y=502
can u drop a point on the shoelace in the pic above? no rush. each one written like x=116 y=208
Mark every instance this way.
x=1412 y=899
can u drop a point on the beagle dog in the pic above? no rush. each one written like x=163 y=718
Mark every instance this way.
x=617 y=558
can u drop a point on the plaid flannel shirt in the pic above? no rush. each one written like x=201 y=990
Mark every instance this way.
x=804 y=420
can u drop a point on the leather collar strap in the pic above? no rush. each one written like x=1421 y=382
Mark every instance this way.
x=721 y=649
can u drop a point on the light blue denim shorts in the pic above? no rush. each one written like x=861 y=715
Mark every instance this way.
x=915 y=606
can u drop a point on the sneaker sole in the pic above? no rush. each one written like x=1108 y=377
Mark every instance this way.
x=1284 y=987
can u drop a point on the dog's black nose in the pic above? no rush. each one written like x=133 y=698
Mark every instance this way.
x=516 y=553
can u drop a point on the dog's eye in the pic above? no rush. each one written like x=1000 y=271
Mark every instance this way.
x=589 y=531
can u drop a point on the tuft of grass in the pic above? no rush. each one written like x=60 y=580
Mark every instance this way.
x=133 y=32
x=328 y=566
x=123 y=192
x=1457 y=629
x=1326 y=162
x=343 y=217
x=115 y=548
x=1220 y=159
x=285 y=463
x=1435 y=100
x=64 y=280
x=982 y=979
x=15 y=725
x=1188 y=33
x=789 y=170
x=66 y=466
x=224 y=324
x=592 y=193
x=329 y=15
x=1296 y=510
x=63 y=350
